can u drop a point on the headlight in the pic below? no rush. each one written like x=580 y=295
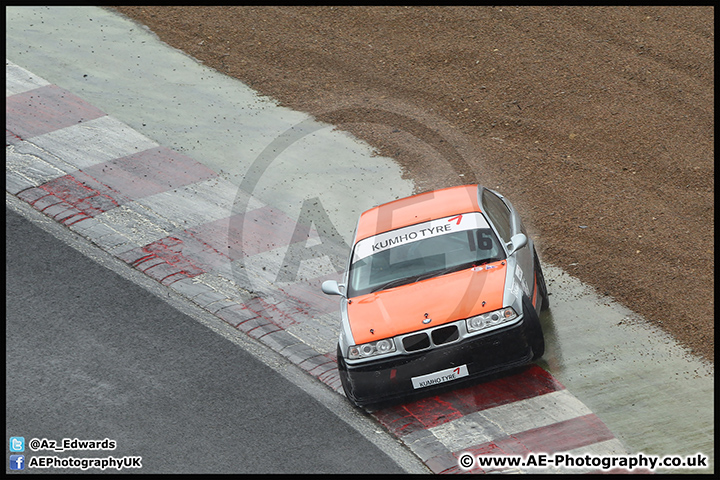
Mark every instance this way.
x=490 y=319
x=365 y=350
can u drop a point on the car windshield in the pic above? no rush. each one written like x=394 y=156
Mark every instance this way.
x=421 y=251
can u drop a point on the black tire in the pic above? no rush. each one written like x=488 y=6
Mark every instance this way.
x=542 y=286
x=342 y=369
x=538 y=345
x=536 y=339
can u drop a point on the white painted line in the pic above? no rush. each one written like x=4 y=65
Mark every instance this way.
x=26 y=167
x=197 y=203
x=93 y=142
x=137 y=224
x=486 y=425
x=19 y=80
x=220 y=283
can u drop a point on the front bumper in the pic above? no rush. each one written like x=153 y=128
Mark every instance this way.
x=387 y=379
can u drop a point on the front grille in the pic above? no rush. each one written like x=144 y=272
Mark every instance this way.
x=440 y=336
x=416 y=342
x=445 y=335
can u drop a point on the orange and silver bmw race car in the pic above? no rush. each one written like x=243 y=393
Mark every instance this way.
x=440 y=287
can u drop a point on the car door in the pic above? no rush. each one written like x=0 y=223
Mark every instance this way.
x=508 y=223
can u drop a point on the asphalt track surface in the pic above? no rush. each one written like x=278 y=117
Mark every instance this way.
x=93 y=355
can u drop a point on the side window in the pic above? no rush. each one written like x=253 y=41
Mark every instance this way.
x=498 y=213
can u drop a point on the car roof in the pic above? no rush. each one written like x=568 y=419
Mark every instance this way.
x=418 y=208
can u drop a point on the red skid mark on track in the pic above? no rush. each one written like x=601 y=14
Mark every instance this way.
x=52 y=206
x=447 y=406
x=204 y=256
x=527 y=383
x=417 y=415
x=11 y=138
x=168 y=250
x=319 y=365
x=331 y=378
x=279 y=314
x=46 y=109
x=84 y=193
x=173 y=258
x=163 y=260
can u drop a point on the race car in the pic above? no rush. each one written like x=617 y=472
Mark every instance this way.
x=440 y=287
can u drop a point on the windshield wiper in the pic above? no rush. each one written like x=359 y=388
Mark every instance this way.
x=454 y=268
x=394 y=283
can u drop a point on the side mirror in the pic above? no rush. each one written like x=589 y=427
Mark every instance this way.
x=331 y=287
x=516 y=243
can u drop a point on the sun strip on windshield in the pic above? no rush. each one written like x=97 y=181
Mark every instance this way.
x=417 y=232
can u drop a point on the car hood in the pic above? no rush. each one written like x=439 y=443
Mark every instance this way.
x=444 y=299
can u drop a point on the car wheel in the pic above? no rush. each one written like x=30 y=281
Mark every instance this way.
x=536 y=339
x=342 y=369
x=542 y=286
x=538 y=345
